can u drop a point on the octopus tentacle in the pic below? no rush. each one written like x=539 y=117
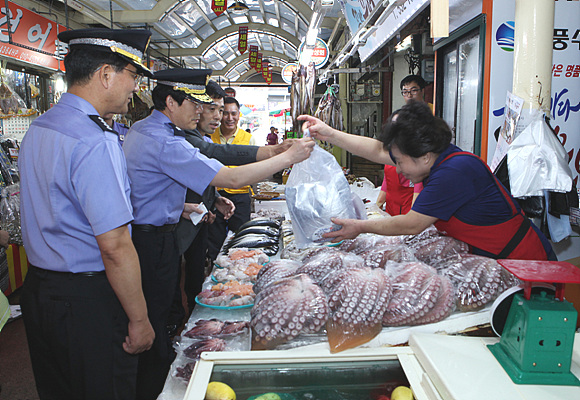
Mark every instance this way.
x=285 y=309
x=357 y=302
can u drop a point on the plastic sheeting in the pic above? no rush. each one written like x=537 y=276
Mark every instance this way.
x=316 y=191
x=537 y=161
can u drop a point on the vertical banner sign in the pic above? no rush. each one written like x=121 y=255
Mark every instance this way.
x=264 y=71
x=218 y=6
x=243 y=39
x=253 y=55
x=258 y=66
x=269 y=77
x=34 y=38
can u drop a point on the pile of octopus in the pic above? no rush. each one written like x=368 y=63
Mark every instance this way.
x=402 y=270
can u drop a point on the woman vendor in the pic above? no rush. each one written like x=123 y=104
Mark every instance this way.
x=460 y=195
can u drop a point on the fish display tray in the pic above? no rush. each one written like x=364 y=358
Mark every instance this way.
x=223 y=307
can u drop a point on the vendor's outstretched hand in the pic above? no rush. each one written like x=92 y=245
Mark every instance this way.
x=300 y=150
x=349 y=230
x=318 y=129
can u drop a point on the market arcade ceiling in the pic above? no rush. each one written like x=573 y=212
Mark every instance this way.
x=190 y=33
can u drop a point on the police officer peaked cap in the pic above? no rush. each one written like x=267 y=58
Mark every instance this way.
x=129 y=44
x=190 y=81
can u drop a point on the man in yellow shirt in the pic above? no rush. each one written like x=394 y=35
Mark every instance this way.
x=229 y=133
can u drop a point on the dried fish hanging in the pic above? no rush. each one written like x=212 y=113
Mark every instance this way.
x=302 y=94
x=329 y=111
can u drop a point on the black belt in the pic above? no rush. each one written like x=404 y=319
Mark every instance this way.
x=61 y=273
x=153 y=228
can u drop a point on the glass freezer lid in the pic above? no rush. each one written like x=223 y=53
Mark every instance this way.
x=310 y=374
x=332 y=380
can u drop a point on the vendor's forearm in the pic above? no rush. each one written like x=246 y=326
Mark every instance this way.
x=409 y=224
x=362 y=146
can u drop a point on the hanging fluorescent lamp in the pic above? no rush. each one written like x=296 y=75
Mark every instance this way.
x=239 y=8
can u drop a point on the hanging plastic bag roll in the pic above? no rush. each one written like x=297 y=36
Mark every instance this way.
x=316 y=191
x=537 y=161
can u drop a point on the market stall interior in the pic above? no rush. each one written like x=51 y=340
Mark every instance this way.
x=284 y=313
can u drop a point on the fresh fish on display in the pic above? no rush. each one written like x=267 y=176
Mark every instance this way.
x=253 y=242
x=250 y=236
x=194 y=351
x=259 y=230
x=260 y=222
x=271 y=250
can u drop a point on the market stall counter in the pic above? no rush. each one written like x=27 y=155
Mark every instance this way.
x=245 y=307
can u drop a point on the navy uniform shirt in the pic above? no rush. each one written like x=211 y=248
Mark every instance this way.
x=161 y=166
x=74 y=186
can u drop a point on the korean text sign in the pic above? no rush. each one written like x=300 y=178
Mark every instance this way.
x=32 y=31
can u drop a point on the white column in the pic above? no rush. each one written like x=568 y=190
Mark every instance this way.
x=534 y=30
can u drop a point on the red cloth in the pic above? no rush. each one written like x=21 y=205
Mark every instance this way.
x=494 y=238
x=399 y=196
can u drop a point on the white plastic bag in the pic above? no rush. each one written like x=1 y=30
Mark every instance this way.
x=316 y=191
x=537 y=161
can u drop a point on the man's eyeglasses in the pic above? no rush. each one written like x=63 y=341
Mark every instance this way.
x=195 y=102
x=137 y=77
x=412 y=91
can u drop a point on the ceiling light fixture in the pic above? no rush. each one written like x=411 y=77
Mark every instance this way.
x=239 y=8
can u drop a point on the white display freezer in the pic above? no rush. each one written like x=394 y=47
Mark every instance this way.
x=435 y=366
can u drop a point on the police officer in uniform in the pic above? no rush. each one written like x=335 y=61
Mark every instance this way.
x=82 y=302
x=161 y=166
x=192 y=239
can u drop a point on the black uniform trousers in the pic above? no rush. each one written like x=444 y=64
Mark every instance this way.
x=219 y=229
x=76 y=326
x=195 y=257
x=159 y=259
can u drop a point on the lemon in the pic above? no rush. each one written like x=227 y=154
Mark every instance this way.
x=402 y=393
x=269 y=396
x=219 y=391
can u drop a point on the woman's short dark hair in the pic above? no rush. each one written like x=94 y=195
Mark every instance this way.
x=416 y=131
x=160 y=93
x=83 y=61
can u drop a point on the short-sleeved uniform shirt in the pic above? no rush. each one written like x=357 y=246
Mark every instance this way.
x=161 y=166
x=74 y=186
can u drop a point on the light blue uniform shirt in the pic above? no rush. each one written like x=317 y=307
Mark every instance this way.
x=161 y=167
x=74 y=186
x=121 y=129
